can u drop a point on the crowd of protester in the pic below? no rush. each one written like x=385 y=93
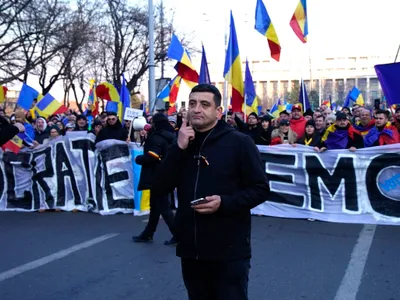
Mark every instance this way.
x=323 y=129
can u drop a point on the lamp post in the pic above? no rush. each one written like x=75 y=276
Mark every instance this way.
x=152 y=82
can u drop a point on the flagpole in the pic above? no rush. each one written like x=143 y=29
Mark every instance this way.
x=152 y=82
x=397 y=54
x=226 y=82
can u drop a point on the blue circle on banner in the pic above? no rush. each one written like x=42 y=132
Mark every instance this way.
x=389 y=182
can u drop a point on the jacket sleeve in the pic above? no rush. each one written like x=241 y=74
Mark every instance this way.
x=166 y=176
x=357 y=141
x=240 y=124
x=7 y=132
x=254 y=187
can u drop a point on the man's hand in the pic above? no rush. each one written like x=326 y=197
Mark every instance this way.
x=323 y=149
x=186 y=134
x=20 y=127
x=353 y=149
x=209 y=207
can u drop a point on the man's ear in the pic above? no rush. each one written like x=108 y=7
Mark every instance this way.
x=220 y=110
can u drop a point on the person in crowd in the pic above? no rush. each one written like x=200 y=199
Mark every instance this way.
x=284 y=134
x=356 y=113
x=154 y=150
x=384 y=133
x=20 y=118
x=366 y=122
x=81 y=123
x=316 y=114
x=308 y=114
x=297 y=122
x=396 y=121
x=251 y=128
x=61 y=126
x=341 y=135
x=69 y=127
x=113 y=129
x=320 y=124
x=41 y=132
x=330 y=120
x=346 y=110
x=172 y=122
x=265 y=131
x=8 y=131
x=71 y=119
x=311 y=137
x=103 y=119
x=214 y=232
x=283 y=115
x=54 y=132
x=96 y=127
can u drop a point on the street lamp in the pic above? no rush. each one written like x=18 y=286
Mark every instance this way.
x=152 y=82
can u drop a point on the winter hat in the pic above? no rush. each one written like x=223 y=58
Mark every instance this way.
x=81 y=117
x=172 y=119
x=56 y=128
x=266 y=118
x=284 y=122
x=253 y=114
x=310 y=123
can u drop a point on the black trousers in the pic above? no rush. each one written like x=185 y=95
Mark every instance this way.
x=159 y=205
x=210 y=280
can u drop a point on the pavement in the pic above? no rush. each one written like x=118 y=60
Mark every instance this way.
x=82 y=256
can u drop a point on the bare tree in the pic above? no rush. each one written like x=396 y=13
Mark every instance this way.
x=124 y=46
x=28 y=38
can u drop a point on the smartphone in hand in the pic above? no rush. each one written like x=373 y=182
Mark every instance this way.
x=199 y=201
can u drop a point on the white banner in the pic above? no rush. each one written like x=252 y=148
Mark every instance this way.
x=68 y=174
x=335 y=186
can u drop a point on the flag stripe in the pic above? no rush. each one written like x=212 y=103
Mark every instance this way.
x=299 y=22
x=45 y=102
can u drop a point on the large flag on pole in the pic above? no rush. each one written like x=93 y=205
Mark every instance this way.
x=388 y=75
x=184 y=67
x=26 y=96
x=264 y=26
x=233 y=69
x=303 y=97
x=251 y=104
x=92 y=99
x=204 y=76
x=299 y=21
x=49 y=106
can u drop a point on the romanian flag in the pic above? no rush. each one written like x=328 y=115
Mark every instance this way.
x=49 y=106
x=265 y=27
x=184 y=67
x=277 y=108
x=15 y=144
x=204 y=76
x=3 y=93
x=170 y=93
x=356 y=96
x=251 y=104
x=388 y=75
x=92 y=99
x=299 y=22
x=233 y=69
x=108 y=92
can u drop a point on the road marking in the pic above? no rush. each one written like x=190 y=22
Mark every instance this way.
x=52 y=257
x=352 y=278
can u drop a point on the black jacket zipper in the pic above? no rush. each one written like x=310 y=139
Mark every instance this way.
x=195 y=192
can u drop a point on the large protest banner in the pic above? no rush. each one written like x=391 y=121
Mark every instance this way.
x=336 y=186
x=69 y=173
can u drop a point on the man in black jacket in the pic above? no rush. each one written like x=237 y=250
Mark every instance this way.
x=155 y=147
x=213 y=161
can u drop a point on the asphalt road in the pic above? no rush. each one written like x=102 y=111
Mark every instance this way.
x=292 y=259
